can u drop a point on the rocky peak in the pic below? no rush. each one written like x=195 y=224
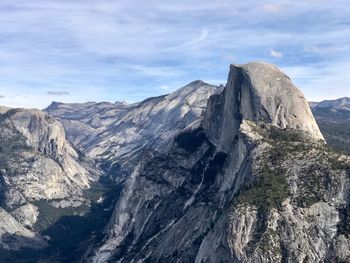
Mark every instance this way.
x=41 y=132
x=194 y=88
x=55 y=104
x=46 y=138
x=259 y=92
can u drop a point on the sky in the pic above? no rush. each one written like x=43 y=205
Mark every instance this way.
x=127 y=50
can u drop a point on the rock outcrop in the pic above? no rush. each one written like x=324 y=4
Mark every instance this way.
x=38 y=169
x=261 y=93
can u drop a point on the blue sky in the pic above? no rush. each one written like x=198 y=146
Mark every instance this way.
x=97 y=50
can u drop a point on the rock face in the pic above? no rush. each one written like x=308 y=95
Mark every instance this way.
x=253 y=182
x=13 y=235
x=261 y=93
x=37 y=166
x=268 y=95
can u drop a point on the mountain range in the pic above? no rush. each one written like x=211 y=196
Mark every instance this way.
x=249 y=172
x=333 y=118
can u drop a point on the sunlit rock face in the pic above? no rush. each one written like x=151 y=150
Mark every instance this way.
x=38 y=165
x=254 y=182
x=111 y=130
x=261 y=93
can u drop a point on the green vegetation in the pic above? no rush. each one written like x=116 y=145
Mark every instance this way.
x=269 y=189
x=337 y=134
x=334 y=124
x=286 y=135
x=312 y=185
x=49 y=214
x=10 y=147
x=317 y=171
x=270 y=186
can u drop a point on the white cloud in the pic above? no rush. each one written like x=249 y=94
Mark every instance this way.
x=165 y=87
x=275 y=53
x=272 y=8
x=319 y=50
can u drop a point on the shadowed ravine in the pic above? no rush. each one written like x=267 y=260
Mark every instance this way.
x=70 y=236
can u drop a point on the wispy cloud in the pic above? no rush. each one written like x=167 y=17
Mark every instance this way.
x=165 y=88
x=276 y=54
x=2 y=96
x=57 y=93
x=320 y=50
x=203 y=35
x=113 y=50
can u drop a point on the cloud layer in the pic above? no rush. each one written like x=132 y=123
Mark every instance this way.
x=129 y=50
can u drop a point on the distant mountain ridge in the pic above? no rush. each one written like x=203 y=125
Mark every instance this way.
x=333 y=118
x=336 y=103
x=110 y=130
x=332 y=109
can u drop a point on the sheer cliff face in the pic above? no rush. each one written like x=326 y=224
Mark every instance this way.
x=261 y=93
x=253 y=183
x=37 y=166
